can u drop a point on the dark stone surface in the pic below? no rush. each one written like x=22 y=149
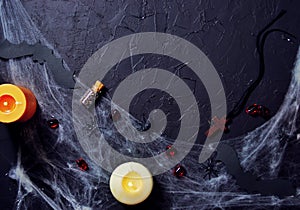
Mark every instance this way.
x=225 y=30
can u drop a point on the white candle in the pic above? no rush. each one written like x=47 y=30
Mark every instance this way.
x=131 y=183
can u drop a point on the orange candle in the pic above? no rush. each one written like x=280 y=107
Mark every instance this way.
x=17 y=104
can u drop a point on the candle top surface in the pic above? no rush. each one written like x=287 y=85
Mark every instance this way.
x=131 y=183
x=12 y=103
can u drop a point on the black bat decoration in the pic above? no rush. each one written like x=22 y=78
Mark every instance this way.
x=40 y=54
x=249 y=182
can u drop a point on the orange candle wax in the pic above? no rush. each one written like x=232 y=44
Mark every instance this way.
x=17 y=104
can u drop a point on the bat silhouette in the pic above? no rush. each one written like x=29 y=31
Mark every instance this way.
x=249 y=182
x=40 y=54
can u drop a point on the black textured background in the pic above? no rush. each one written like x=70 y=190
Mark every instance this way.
x=225 y=30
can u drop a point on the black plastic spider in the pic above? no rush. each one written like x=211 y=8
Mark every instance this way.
x=210 y=167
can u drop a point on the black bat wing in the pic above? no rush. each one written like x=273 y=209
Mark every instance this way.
x=40 y=54
x=248 y=181
x=9 y=50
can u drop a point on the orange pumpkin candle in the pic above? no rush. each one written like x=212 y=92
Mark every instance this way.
x=17 y=104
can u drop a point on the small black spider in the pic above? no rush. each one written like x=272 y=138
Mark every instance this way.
x=210 y=167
